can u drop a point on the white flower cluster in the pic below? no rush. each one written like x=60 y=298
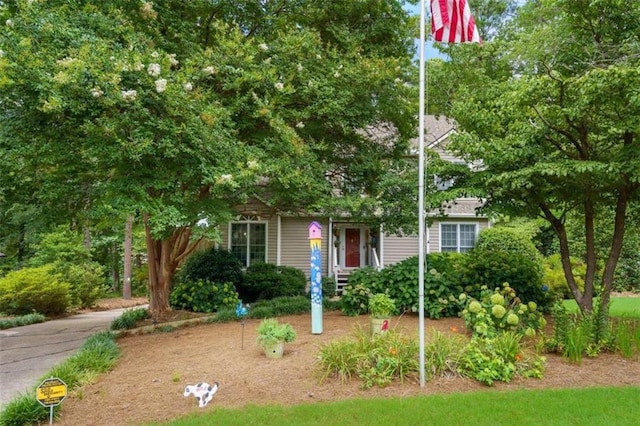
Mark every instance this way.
x=208 y=70
x=188 y=86
x=153 y=70
x=225 y=178
x=279 y=86
x=96 y=92
x=172 y=59
x=147 y=10
x=161 y=85
x=1 y=53
x=263 y=46
x=9 y=23
x=129 y=95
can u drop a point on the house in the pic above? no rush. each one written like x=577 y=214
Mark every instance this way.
x=259 y=235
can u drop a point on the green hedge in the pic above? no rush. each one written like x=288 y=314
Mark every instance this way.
x=30 y=290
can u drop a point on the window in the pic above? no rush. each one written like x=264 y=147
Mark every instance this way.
x=248 y=242
x=457 y=237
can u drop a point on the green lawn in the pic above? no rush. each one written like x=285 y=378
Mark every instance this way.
x=625 y=307
x=593 y=406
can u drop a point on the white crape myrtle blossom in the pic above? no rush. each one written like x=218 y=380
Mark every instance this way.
x=161 y=85
x=172 y=59
x=155 y=54
x=279 y=86
x=225 y=178
x=153 y=70
x=300 y=67
x=209 y=70
x=1 y=53
x=129 y=95
x=139 y=66
x=263 y=46
x=300 y=125
x=188 y=86
x=147 y=10
x=9 y=23
x=96 y=92
x=252 y=164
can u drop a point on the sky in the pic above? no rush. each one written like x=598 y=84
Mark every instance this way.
x=430 y=52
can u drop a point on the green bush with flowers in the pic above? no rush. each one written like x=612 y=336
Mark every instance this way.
x=355 y=299
x=500 y=310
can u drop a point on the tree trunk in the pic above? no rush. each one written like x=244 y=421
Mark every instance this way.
x=128 y=243
x=165 y=255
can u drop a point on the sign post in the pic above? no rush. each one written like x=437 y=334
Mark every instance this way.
x=50 y=393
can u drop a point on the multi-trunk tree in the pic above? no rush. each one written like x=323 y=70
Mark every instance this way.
x=177 y=111
x=550 y=107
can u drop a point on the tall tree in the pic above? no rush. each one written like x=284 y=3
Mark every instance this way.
x=550 y=107
x=179 y=110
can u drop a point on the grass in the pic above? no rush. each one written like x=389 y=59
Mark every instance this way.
x=590 y=406
x=622 y=307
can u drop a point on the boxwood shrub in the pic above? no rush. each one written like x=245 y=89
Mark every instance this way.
x=203 y=296
x=263 y=281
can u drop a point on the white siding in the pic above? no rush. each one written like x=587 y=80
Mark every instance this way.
x=295 y=249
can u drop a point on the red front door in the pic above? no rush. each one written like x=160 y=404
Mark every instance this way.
x=352 y=248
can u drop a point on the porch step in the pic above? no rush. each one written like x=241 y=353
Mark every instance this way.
x=341 y=282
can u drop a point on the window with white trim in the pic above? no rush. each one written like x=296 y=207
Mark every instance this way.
x=457 y=237
x=248 y=242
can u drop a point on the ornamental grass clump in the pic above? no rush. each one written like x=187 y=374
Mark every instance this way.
x=500 y=310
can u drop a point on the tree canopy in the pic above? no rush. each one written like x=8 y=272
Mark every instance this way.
x=179 y=110
x=550 y=107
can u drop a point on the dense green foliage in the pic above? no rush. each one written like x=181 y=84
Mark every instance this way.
x=529 y=108
x=37 y=289
x=129 y=319
x=441 y=286
x=504 y=255
x=22 y=320
x=178 y=112
x=266 y=281
x=216 y=265
x=203 y=296
x=555 y=279
x=499 y=310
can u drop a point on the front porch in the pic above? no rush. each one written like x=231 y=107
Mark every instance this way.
x=353 y=246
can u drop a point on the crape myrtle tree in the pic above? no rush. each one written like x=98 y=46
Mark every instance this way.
x=550 y=107
x=177 y=111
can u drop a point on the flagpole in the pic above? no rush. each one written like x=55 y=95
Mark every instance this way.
x=421 y=212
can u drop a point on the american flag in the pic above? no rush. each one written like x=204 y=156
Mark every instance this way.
x=451 y=22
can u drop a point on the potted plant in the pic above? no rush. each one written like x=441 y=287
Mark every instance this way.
x=381 y=307
x=272 y=336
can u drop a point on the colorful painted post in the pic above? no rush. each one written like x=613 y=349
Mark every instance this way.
x=315 y=240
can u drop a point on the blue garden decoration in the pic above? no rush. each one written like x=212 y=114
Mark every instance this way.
x=241 y=313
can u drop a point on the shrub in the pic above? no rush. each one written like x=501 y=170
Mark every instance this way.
x=214 y=265
x=86 y=282
x=266 y=281
x=31 y=290
x=270 y=332
x=203 y=296
x=129 y=319
x=400 y=282
x=355 y=299
x=500 y=310
x=505 y=255
x=555 y=279
x=376 y=360
x=328 y=287
x=498 y=358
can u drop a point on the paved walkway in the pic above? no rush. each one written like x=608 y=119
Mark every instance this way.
x=29 y=352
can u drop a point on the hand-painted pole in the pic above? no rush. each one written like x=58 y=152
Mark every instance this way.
x=315 y=240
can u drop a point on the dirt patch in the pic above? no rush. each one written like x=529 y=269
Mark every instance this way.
x=149 y=380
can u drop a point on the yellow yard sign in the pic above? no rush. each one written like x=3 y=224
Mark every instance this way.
x=51 y=392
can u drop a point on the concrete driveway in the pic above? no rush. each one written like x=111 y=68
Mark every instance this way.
x=30 y=351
